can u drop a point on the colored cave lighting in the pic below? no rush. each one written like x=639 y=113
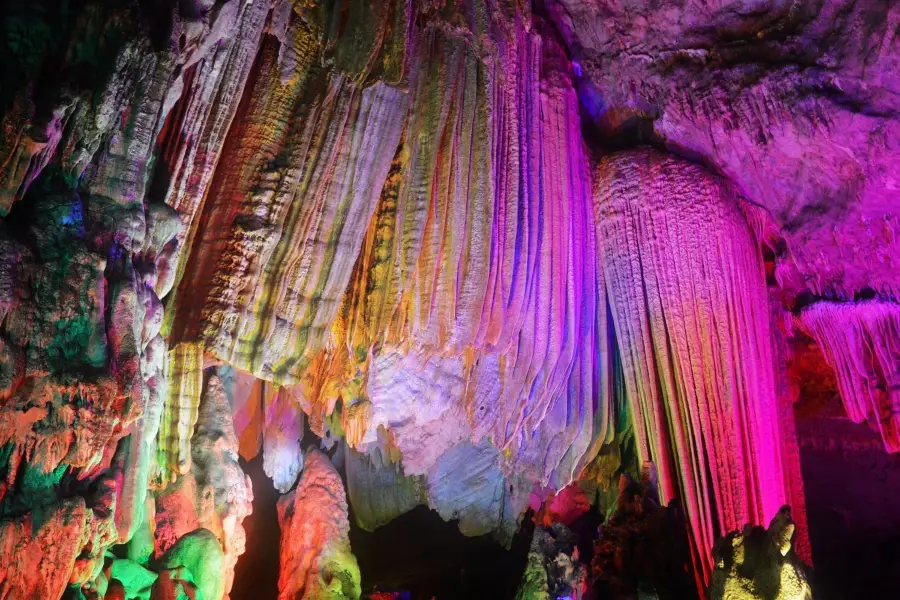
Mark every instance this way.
x=526 y=264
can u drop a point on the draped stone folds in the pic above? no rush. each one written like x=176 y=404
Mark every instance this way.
x=472 y=311
x=861 y=342
x=382 y=214
x=691 y=316
x=282 y=223
x=179 y=413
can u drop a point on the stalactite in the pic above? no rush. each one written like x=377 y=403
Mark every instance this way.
x=691 y=316
x=301 y=177
x=477 y=273
x=213 y=494
x=377 y=488
x=861 y=342
x=182 y=406
x=282 y=430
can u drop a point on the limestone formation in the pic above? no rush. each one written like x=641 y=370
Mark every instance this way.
x=316 y=560
x=487 y=255
x=795 y=102
x=642 y=549
x=759 y=563
x=861 y=341
x=686 y=284
x=214 y=495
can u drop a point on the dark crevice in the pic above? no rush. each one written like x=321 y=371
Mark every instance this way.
x=424 y=556
x=256 y=573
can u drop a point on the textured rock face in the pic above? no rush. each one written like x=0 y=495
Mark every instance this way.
x=796 y=103
x=316 y=562
x=231 y=226
x=38 y=556
x=759 y=563
x=686 y=283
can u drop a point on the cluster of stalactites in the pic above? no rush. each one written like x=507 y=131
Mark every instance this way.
x=861 y=342
x=690 y=310
x=478 y=271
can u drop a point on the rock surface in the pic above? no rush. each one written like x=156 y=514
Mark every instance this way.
x=759 y=563
x=229 y=226
x=796 y=103
x=687 y=287
x=316 y=561
x=553 y=570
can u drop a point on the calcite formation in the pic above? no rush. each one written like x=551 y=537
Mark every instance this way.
x=687 y=289
x=49 y=549
x=214 y=495
x=861 y=341
x=795 y=102
x=316 y=561
x=486 y=255
x=759 y=563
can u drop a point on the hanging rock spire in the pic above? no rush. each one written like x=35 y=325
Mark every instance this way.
x=691 y=316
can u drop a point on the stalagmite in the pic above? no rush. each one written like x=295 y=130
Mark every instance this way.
x=691 y=316
x=316 y=560
x=759 y=563
x=553 y=569
x=214 y=494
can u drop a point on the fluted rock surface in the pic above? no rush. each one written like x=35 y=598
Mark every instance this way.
x=227 y=226
x=861 y=342
x=687 y=289
x=282 y=223
x=472 y=309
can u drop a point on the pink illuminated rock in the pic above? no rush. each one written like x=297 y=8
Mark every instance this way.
x=861 y=342
x=796 y=103
x=690 y=309
x=316 y=560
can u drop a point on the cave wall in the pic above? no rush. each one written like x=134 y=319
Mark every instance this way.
x=398 y=227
